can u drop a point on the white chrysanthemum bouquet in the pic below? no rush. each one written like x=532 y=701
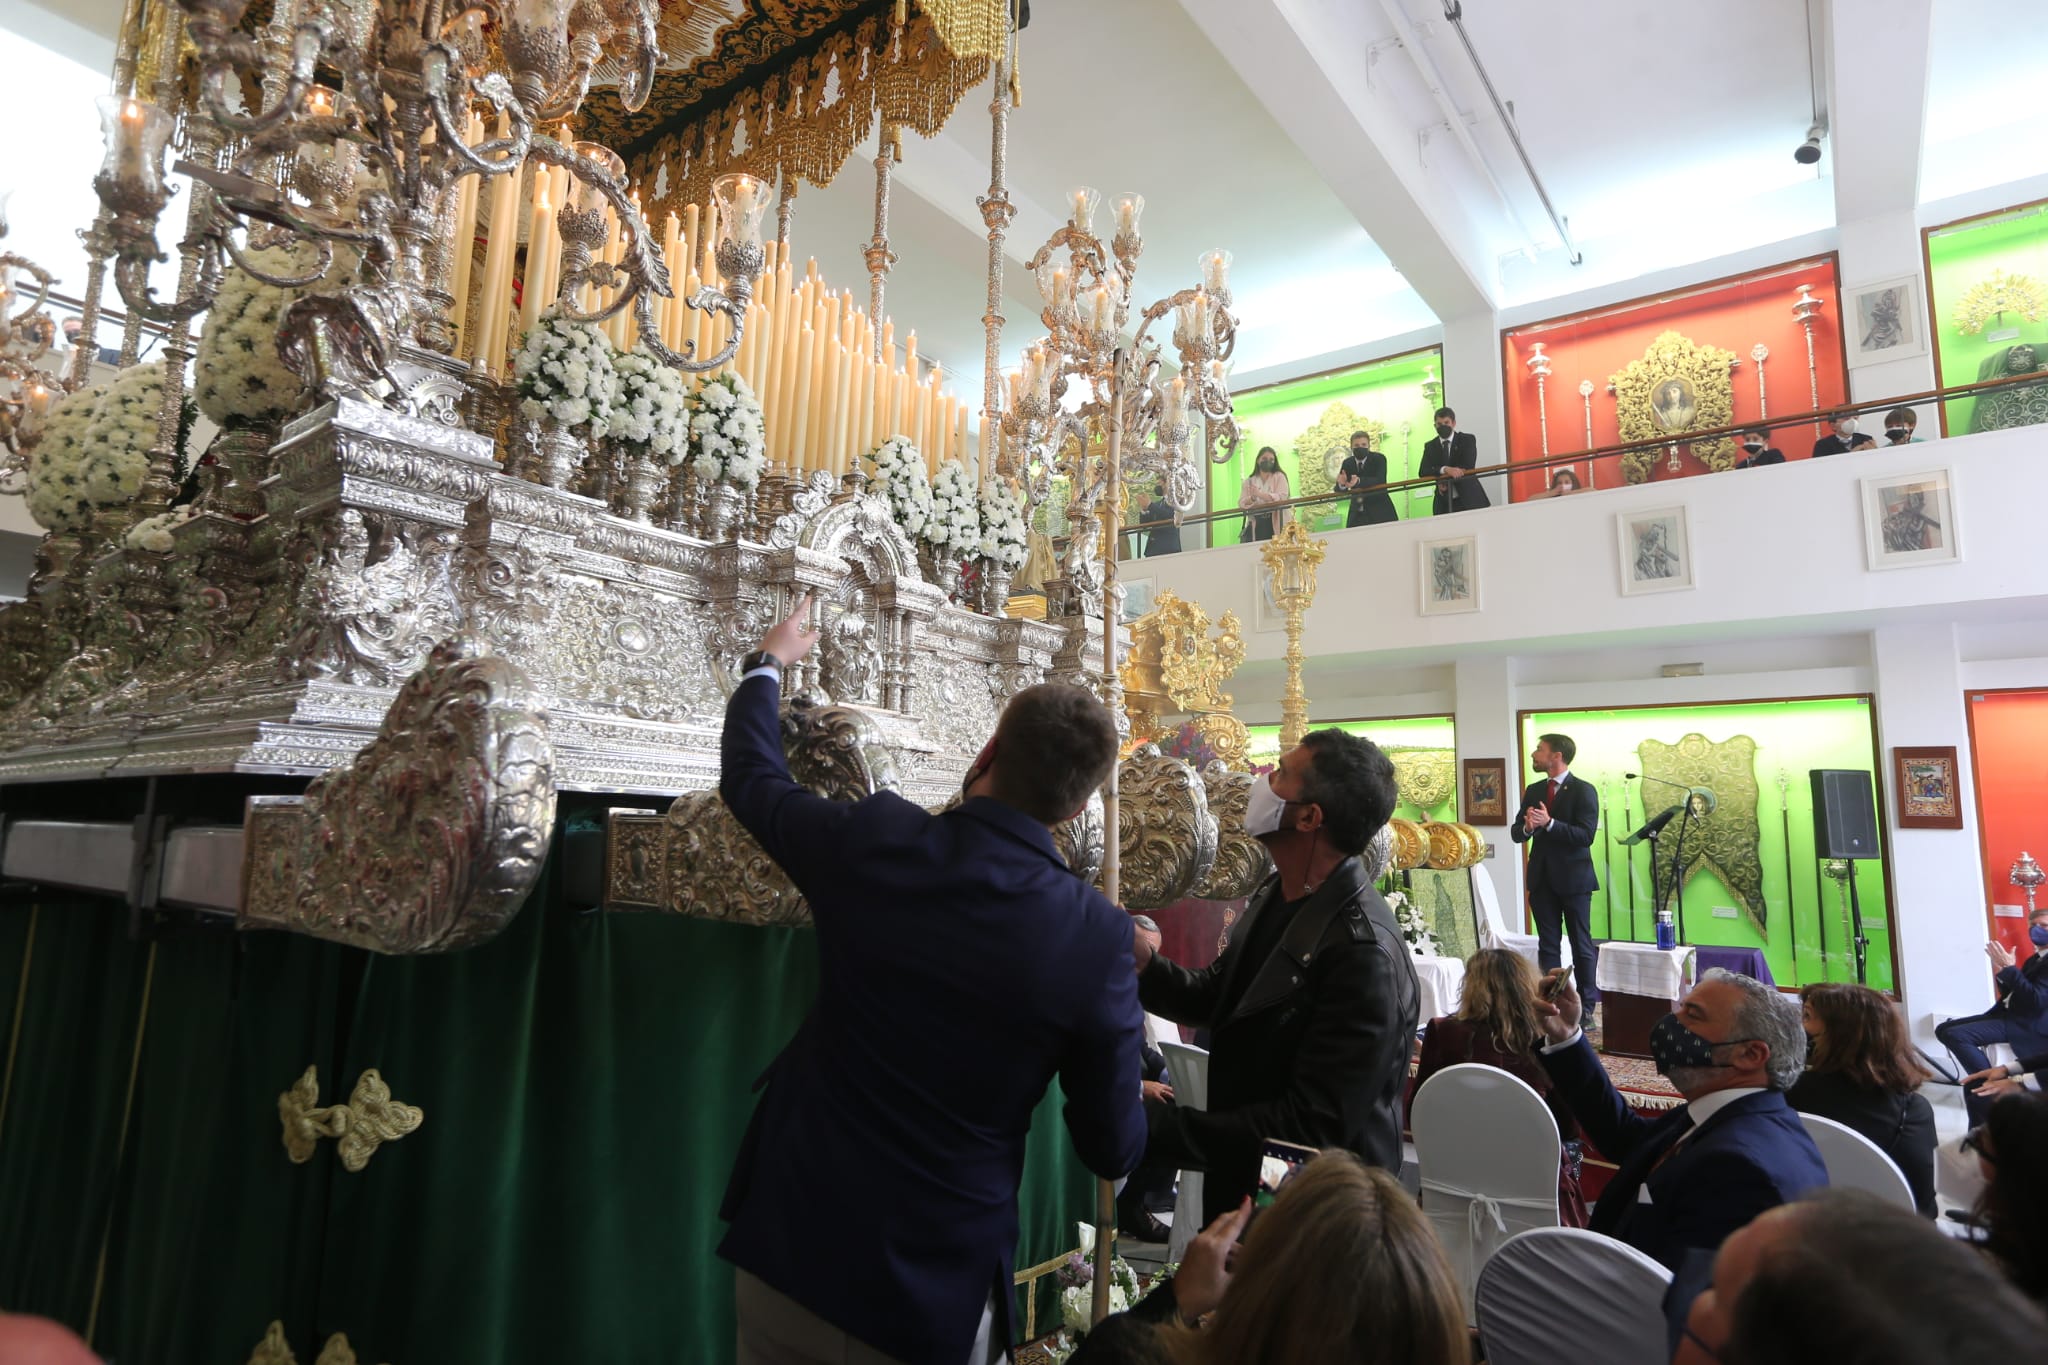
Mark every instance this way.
x=565 y=374
x=1005 y=538
x=239 y=378
x=650 y=408
x=56 y=466
x=901 y=483
x=955 y=525
x=1076 y=1279
x=728 y=441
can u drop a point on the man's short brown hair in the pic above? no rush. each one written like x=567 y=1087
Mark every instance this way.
x=1055 y=745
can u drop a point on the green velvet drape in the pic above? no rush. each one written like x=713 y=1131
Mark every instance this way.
x=585 y=1080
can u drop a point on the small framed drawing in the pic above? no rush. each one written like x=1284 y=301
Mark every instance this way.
x=1656 y=550
x=1486 y=791
x=1449 y=575
x=1925 y=780
x=1885 y=321
x=1139 y=594
x=1910 y=519
x=1266 y=613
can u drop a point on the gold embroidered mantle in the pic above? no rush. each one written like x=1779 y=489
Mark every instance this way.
x=1676 y=387
x=1726 y=842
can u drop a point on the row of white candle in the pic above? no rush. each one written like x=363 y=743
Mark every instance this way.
x=808 y=352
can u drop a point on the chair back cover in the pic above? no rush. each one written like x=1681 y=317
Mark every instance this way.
x=1494 y=931
x=1568 y=1294
x=1854 y=1162
x=1488 y=1149
x=1188 y=1068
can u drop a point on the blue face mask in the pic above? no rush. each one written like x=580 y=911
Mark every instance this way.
x=2039 y=933
x=1675 y=1047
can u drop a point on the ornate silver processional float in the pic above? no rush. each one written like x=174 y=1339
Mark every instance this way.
x=364 y=593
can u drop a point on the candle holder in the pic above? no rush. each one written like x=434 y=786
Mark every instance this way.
x=2026 y=874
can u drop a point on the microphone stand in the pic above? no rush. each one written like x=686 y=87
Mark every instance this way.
x=1674 y=888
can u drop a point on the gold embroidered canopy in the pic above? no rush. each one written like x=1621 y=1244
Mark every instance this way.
x=791 y=87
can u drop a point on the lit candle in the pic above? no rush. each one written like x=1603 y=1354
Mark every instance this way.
x=320 y=104
x=1216 y=271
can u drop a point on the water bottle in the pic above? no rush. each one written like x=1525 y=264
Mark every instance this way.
x=1667 y=932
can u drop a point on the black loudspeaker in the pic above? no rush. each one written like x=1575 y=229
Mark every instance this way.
x=1844 y=814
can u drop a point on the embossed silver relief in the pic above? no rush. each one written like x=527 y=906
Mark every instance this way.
x=1168 y=842
x=1242 y=862
x=432 y=838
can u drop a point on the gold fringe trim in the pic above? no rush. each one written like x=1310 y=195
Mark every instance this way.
x=785 y=127
x=968 y=28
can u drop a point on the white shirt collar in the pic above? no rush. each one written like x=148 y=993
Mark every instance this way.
x=1559 y=779
x=1706 y=1106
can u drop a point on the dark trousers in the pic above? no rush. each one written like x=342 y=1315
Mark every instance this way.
x=1967 y=1039
x=1556 y=912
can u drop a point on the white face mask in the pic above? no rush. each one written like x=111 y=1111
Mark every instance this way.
x=1263 y=808
x=1847 y=428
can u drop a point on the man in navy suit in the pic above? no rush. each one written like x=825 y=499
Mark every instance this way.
x=961 y=967
x=2019 y=1018
x=1558 y=819
x=1450 y=458
x=1734 y=1148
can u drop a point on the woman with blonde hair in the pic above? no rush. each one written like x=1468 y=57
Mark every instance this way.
x=1496 y=1026
x=1342 y=1269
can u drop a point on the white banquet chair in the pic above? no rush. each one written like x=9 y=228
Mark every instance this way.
x=1188 y=1068
x=1495 y=931
x=1854 y=1162
x=1488 y=1149
x=1616 y=1313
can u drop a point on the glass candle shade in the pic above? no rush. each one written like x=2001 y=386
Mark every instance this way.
x=584 y=195
x=1129 y=207
x=543 y=16
x=742 y=204
x=1215 y=266
x=136 y=133
x=1081 y=204
x=1056 y=282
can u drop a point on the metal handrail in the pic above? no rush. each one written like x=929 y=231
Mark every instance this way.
x=1949 y=393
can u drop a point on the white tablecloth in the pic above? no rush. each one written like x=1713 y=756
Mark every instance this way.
x=1645 y=969
x=1443 y=986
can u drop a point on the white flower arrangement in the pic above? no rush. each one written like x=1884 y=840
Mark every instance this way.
x=1413 y=924
x=565 y=374
x=239 y=377
x=900 y=476
x=56 y=474
x=728 y=438
x=650 y=407
x=123 y=427
x=1005 y=538
x=955 y=525
x=1077 y=1290
x=155 y=533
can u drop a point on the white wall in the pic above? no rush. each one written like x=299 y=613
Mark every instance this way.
x=1785 y=607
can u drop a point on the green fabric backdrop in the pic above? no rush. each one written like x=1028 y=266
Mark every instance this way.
x=585 y=1080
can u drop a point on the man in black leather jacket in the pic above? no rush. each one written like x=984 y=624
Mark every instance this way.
x=1312 y=1006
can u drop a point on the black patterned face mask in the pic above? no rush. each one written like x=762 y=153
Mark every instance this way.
x=1674 y=1047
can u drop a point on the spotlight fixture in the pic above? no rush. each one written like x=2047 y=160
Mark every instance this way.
x=1808 y=151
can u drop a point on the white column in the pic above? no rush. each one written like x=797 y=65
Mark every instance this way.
x=1485 y=717
x=1937 y=878
x=1886 y=247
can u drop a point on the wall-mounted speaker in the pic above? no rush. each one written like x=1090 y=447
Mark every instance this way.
x=1844 y=813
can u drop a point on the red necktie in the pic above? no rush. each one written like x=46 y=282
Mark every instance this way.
x=1551 y=800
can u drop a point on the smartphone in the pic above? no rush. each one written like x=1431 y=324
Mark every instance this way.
x=1278 y=1161
x=1554 y=987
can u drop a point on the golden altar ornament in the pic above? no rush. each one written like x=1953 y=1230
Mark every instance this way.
x=1174 y=667
x=1291 y=558
x=1676 y=386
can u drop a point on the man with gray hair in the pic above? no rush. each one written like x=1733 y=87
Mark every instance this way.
x=1734 y=1149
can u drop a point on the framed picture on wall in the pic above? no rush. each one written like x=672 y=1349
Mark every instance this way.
x=1910 y=520
x=1486 y=791
x=1885 y=321
x=1139 y=594
x=1925 y=780
x=1656 y=550
x=1266 y=613
x=1448 y=572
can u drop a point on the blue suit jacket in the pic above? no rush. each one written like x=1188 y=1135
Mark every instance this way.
x=961 y=967
x=1561 y=853
x=1751 y=1156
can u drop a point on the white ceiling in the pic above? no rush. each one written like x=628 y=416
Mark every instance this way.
x=1304 y=135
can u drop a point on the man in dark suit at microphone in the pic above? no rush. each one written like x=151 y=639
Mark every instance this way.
x=1559 y=817
x=1450 y=459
